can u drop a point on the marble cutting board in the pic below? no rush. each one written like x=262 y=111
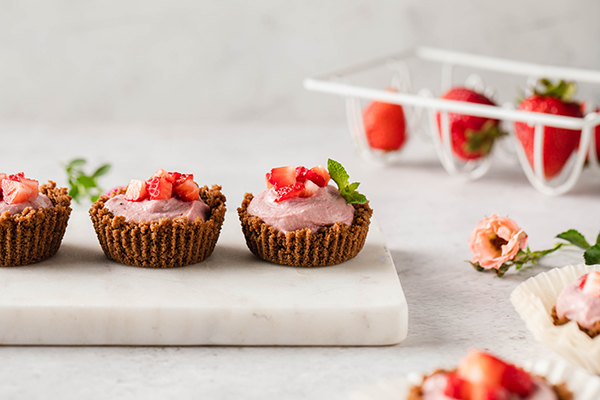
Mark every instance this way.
x=80 y=297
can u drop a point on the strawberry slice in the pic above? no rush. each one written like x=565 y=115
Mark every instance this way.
x=33 y=185
x=591 y=284
x=301 y=174
x=187 y=190
x=456 y=387
x=136 y=190
x=289 y=191
x=15 y=192
x=318 y=175
x=309 y=189
x=515 y=380
x=159 y=188
x=484 y=369
x=282 y=176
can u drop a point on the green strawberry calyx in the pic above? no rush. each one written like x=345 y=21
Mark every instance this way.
x=481 y=142
x=341 y=178
x=563 y=90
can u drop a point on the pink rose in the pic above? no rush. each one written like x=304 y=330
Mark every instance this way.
x=496 y=240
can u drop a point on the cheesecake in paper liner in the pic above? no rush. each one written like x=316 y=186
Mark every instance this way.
x=35 y=235
x=159 y=244
x=534 y=300
x=582 y=385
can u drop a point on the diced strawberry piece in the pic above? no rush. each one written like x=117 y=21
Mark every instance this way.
x=301 y=174
x=33 y=185
x=309 y=189
x=159 y=188
x=136 y=190
x=456 y=387
x=282 y=176
x=318 y=175
x=289 y=191
x=484 y=369
x=17 y=177
x=15 y=192
x=482 y=392
x=515 y=380
x=591 y=284
x=181 y=178
x=187 y=191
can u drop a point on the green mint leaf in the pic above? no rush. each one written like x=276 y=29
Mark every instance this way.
x=598 y=239
x=77 y=162
x=81 y=185
x=101 y=171
x=355 y=198
x=340 y=177
x=337 y=173
x=592 y=255
x=86 y=181
x=74 y=192
x=575 y=238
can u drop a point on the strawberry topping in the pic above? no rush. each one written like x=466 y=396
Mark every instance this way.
x=17 y=189
x=289 y=182
x=187 y=190
x=492 y=378
x=164 y=185
x=591 y=284
x=136 y=190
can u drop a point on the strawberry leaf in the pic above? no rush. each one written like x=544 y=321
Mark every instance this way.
x=341 y=178
x=575 y=238
x=592 y=255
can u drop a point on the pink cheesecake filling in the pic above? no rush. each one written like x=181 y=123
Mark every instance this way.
x=41 y=201
x=578 y=306
x=324 y=208
x=154 y=210
x=433 y=389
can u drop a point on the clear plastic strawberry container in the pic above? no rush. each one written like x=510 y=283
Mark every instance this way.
x=366 y=82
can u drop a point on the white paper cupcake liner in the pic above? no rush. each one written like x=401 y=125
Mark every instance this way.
x=583 y=385
x=534 y=299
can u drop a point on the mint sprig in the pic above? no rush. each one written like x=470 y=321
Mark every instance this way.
x=341 y=179
x=81 y=184
x=591 y=255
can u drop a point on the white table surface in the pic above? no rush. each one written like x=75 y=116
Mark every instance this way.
x=425 y=214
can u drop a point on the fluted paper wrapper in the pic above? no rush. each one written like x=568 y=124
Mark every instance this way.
x=159 y=244
x=583 y=385
x=302 y=248
x=534 y=299
x=35 y=235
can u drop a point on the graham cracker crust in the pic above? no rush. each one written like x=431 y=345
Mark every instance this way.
x=35 y=235
x=159 y=244
x=302 y=248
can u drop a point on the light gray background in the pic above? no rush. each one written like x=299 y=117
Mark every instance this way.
x=189 y=61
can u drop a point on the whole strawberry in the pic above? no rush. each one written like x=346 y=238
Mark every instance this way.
x=472 y=137
x=385 y=126
x=559 y=143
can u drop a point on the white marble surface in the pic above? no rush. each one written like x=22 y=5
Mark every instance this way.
x=80 y=297
x=425 y=215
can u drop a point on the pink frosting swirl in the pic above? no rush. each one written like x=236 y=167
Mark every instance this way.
x=324 y=208
x=41 y=201
x=154 y=210
x=578 y=306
